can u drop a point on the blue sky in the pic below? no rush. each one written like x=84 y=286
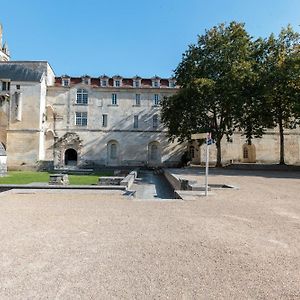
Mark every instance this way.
x=128 y=37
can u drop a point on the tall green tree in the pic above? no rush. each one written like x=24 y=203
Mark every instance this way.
x=254 y=117
x=211 y=75
x=281 y=80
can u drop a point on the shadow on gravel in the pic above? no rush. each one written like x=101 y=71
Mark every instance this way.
x=285 y=172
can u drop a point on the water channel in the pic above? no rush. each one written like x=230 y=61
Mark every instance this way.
x=152 y=186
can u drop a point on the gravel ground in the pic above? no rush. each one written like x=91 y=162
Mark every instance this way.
x=235 y=244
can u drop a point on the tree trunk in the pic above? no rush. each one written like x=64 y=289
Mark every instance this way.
x=281 y=136
x=219 y=155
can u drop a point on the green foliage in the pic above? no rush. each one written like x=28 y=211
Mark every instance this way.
x=281 y=78
x=230 y=82
x=211 y=75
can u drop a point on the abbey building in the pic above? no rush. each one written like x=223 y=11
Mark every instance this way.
x=101 y=121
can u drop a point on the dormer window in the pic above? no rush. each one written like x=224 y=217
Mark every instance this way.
x=137 y=81
x=172 y=83
x=117 y=81
x=156 y=82
x=65 y=82
x=103 y=81
x=86 y=80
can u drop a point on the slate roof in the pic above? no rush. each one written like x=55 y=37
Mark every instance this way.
x=23 y=71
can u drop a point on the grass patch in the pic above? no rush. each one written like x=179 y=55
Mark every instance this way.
x=25 y=177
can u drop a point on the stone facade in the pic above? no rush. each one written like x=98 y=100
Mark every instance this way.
x=113 y=126
x=80 y=122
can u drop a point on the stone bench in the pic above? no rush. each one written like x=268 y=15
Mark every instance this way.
x=59 y=179
x=110 y=180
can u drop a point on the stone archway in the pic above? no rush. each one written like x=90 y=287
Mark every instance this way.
x=249 y=153
x=68 y=141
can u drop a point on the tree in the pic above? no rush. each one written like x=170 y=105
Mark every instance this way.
x=281 y=79
x=211 y=75
x=254 y=117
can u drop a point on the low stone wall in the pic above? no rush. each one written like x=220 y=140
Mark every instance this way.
x=129 y=179
x=110 y=180
x=175 y=182
x=59 y=179
x=183 y=184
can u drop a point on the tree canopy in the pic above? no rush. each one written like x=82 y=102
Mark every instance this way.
x=227 y=83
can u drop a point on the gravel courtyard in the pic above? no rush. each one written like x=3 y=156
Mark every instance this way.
x=234 y=244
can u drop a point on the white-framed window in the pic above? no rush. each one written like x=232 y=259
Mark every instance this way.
x=114 y=99
x=156 y=83
x=81 y=118
x=156 y=99
x=155 y=121
x=5 y=85
x=135 y=121
x=104 y=120
x=172 y=83
x=104 y=83
x=86 y=80
x=82 y=97
x=65 y=82
x=136 y=83
x=137 y=99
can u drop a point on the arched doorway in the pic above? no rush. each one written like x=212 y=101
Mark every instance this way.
x=70 y=157
x=249 y=153
x=113 y=155
x=154 y=153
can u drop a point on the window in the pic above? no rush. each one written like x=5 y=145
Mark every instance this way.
x=86 y=80
x=138 y=99
x=136 y=122
x=65 y=82
x=81 y=118
x=113 y=151
x=114 y=99
x=82 y=97
x=5 y=85
x=172 y=84
x=18 y=87
x=155 y=84
x=117 y=83
x=136 y=83
x=155 y=121
x=245 y=153
x=192 y=152
x=104 y=120
x=103 y=82
x=156 y=99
